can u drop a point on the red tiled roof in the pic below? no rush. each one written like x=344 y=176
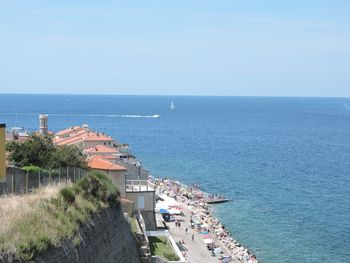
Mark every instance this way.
x=101 y=149
x=72 y=140
x=108 y=158
x=96 y=163
x=98 y=137
x=69 y=130
x=74 y=135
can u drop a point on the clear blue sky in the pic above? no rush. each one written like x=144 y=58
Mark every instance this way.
x=197 y=47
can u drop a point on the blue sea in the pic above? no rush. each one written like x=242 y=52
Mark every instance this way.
x=285 y=162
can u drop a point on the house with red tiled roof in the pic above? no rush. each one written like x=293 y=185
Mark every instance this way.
x=105 y=156
x=67 y=137
x=96 y=138
x=77 y=140
x=116 y=172
x=109 y=158
x=68 y=132
x=101 y=150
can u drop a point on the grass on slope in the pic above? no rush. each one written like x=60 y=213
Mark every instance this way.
x=31 y=224
x=160 y=247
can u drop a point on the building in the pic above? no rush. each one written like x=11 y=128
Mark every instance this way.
x=106 y=155
x=68 y=132
x=97 y=138
x=142 y=193
x=2 y=153
x=43 y=124
x=101 y=150
x=134 y=167
x=116 y=172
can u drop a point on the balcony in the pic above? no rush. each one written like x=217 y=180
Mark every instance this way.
x=139 y=186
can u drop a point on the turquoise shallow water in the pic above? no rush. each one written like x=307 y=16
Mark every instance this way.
x=284 y=161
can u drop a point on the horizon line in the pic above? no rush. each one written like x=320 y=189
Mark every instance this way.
x=173 y=95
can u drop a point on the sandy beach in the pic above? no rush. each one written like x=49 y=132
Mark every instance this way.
x=206 y=239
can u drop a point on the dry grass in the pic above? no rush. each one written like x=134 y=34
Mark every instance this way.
x=31 y=224
x=14 y=208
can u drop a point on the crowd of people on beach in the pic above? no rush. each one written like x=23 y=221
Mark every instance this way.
x=204 y=222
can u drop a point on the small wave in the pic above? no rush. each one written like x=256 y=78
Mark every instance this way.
x=86 y=115
x=140 y=116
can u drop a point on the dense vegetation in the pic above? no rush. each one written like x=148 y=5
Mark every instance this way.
x=41 y=152
x=50 y=221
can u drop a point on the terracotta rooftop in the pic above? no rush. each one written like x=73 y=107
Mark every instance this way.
x=96 y=163
x=72 y=140
x=101 y=149
x=98 y=137
x=104 y=157
x=73 y=135
x=68 y=131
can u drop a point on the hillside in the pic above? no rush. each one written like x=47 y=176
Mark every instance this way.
x=67 y=223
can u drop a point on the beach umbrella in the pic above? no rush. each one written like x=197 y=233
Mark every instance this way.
x=163 y=211
x=174 y=211
x=204 y=226
x=217 y=250
x=206 y=236
x=207 y=241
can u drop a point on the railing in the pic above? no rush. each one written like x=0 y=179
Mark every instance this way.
x=139 y=185
x=19 y=181
x=142 y=225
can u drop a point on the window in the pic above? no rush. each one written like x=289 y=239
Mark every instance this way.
x=141 y=202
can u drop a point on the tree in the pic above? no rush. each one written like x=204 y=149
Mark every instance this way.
x=40 y=151
x=36 y=150
x=68 y=156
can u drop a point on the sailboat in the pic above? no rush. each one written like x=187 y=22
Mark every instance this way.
x=172 y=105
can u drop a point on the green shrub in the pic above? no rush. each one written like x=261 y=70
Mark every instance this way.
x=59 y=218
x=28 y=249
x=171 y=256
x=68 y=194
x=97 y=185
x=31 y=168
x=76 y=241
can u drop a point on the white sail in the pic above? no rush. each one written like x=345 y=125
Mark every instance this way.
x=172 y=105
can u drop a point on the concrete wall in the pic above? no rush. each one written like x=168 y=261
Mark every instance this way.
x=134 y=172
x=147 y=211
x=149 y=199
x=2 y=153
x=106 y=238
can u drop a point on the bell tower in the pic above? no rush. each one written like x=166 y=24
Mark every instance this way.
x=43 y=125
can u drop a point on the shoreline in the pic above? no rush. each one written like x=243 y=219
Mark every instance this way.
x=203 y=222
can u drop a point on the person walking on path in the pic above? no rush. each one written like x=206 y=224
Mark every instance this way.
x=192 y=237
x=186 y=230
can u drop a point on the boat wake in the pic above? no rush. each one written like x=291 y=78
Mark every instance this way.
x=88 y=115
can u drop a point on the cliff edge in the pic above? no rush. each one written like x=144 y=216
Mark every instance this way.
x=101 y=236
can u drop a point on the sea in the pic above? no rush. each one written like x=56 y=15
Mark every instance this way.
x=284 y=162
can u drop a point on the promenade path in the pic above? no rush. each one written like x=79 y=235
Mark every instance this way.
x=197 y=250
